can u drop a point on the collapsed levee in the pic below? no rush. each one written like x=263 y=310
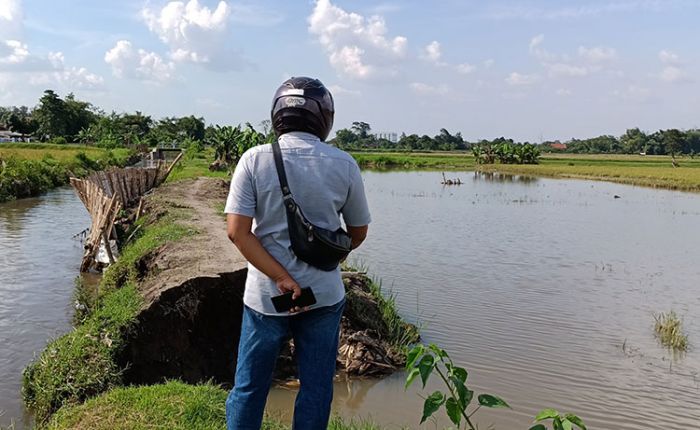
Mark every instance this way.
x=171 y=308
x=190 y=333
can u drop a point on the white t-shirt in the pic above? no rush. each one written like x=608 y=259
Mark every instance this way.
x=325 y=183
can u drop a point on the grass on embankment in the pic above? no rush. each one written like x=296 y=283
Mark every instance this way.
x=81 y=363
x=28 y=169
x=173 y=406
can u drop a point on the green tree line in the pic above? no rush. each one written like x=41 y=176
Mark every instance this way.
x=634 y=141
x=60 y=120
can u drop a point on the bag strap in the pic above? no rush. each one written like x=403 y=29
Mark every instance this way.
x=282 y=175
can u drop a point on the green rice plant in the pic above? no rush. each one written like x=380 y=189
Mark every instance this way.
x=669 y=330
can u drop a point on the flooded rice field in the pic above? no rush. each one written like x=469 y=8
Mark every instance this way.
x=543 y=289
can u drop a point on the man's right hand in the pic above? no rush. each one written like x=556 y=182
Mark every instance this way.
x=286 y=284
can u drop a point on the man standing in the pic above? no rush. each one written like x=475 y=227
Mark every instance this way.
x=326 y=183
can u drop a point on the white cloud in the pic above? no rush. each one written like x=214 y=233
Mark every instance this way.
x=127 y=62
x=673 y=71
x=358 y=47
x=16 y=58
x=518 y=79
x=674 y=74
x=590 y=60
x=429 y=90
x=10 y=10
x=668 y=57
x=338 y=90
x=20 y=67
x=564 y=92
x=488 y=63
x=194 y=33
x=565 y=70
x=539 y=52
x=598 y=54
x=634 y=93
x=13 y=52
x=432 y=52
x=465 y=68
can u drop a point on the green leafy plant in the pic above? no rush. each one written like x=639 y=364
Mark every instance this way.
x=559 y=422
x=423 y=361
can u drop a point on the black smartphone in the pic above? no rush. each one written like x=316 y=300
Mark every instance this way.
x=284 y=302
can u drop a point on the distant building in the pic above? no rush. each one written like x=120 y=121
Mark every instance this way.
x=390 y=136
x=10 y=136
x=558 y=146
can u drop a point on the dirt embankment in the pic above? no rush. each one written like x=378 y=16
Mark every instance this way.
x=193 y=288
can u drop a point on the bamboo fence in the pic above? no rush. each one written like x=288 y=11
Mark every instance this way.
x=105 y=193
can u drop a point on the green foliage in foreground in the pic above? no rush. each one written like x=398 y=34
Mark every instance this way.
x=669 y=330
x=423 y=361
x=81 y=364
x=28 y=170
x=171 y=406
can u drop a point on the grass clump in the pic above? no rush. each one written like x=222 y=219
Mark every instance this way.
x=174 y=405
x=171 y=406
x=82 y=363
x=669 y=330
x=400 y=333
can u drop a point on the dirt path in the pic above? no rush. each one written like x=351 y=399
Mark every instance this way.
x=206 y=254
x=202 y=197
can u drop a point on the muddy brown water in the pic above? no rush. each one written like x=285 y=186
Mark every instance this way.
x=534 y=285
x=39 y=262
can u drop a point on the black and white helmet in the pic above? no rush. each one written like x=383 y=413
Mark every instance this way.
x=303 y=104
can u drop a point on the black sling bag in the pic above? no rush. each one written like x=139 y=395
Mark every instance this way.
x=314 y=245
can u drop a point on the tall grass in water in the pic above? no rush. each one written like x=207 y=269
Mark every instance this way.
x=669 y=329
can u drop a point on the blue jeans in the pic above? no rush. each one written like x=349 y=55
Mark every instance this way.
x=315 y=335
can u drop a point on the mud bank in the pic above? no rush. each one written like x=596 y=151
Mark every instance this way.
x=171 y=308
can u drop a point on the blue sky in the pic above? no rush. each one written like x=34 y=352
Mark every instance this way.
x=532 y=70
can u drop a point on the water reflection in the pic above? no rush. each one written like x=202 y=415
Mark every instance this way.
x=504 y=178
x=13 y=214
